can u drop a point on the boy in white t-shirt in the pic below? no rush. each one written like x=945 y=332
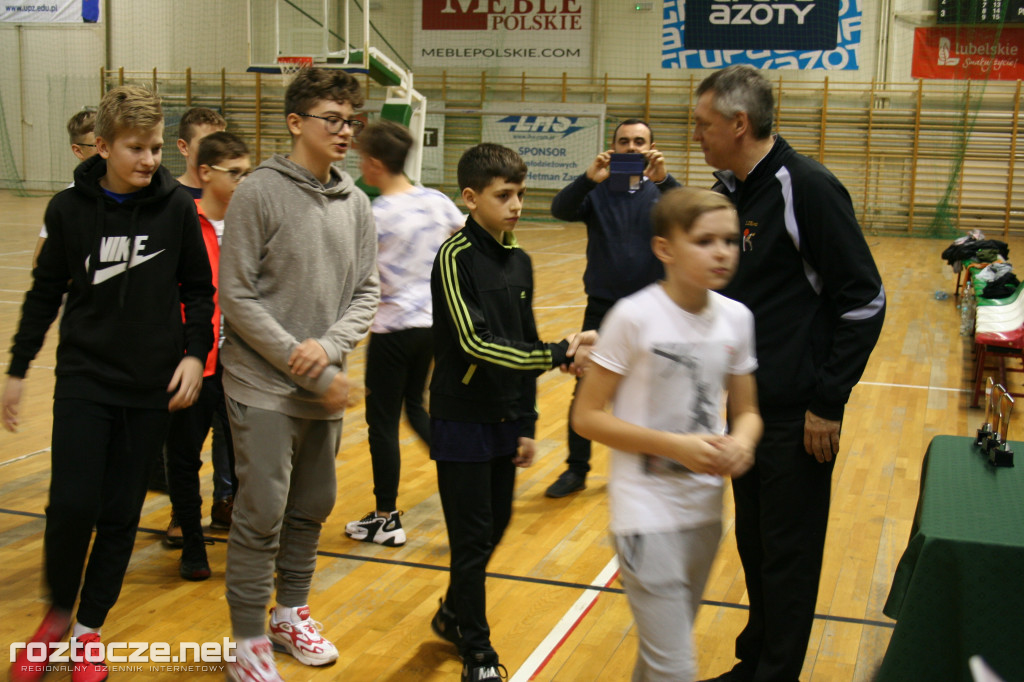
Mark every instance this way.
x=412 y=223
x=666 y=358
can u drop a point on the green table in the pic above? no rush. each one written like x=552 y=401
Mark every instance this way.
x=959 y=588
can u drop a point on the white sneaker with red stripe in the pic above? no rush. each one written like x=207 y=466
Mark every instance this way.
x=254 y=662
x=302 y=639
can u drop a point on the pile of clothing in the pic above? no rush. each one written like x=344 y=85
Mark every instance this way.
x=999 y=279
x=998 y=276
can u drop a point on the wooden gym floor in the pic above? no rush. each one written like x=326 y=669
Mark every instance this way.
x=553 y=617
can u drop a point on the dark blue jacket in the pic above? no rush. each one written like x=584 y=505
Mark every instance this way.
x=619 y=257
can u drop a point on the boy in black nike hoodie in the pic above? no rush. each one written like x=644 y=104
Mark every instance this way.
x=125 y=246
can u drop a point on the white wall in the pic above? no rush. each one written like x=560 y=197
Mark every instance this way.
x=50 y=72
x=58 y=67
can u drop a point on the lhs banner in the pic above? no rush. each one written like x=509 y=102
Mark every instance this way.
x=54 y=11
x=557 y=142
x=515 y=33
x=768 y=34
x=968 y=53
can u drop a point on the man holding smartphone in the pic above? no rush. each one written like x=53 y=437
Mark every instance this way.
x=619 y=257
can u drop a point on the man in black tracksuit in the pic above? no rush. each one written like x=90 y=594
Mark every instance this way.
x=807 y=274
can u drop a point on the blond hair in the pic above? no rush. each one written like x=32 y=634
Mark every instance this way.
x=681 y=207
x=127 y=107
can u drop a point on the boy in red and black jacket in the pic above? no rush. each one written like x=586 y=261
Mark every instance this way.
x=223 y=161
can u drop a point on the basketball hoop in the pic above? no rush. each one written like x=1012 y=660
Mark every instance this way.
x=290 y=66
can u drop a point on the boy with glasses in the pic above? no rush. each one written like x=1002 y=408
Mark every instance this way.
x=196 y=124
x=223 y=161
x=83 y=145
x=299 y=288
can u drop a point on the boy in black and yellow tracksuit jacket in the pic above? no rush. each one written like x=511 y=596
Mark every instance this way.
x=487 y=357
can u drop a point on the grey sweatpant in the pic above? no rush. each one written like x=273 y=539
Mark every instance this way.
x=664 y=575
x=286 y=490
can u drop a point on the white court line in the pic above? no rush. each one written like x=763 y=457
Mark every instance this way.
x=18 y=459
x=920 y=388
x=15 y=253
x=558 y=307
x=543 y=653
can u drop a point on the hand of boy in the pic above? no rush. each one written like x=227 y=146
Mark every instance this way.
x=699 y=452
x=309 y=358
x=12 y=398
x=599 y=168
x=737 y=456
x=187 y=382
x=525 y=452
x=335 y=399
x=579 y=349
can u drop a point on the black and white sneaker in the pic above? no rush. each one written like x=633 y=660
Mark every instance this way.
x=483 y=666
x=446 y=626
x=384 y=530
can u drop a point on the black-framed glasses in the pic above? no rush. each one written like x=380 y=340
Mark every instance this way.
x=334 y=124
x=83 y=144
x=236 y=174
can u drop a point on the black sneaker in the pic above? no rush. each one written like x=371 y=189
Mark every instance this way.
x=194 y=564
x=384 y=530
x=568 y=483
x=446 y=626
x=483 y=666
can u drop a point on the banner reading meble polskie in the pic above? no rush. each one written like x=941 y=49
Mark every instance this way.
x=513 y=33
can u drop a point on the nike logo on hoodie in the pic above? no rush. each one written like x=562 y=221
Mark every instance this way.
x=120 y=251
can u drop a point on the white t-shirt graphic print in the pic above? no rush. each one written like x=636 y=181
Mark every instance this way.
x=674 y=366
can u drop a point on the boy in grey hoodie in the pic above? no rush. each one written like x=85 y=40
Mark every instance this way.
x=299 y=289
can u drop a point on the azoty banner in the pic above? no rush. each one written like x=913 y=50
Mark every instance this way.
x=557 y=142
x=507 y=33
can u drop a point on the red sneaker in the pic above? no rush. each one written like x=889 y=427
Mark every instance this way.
x=254 y=662
x=52 y=629
x=91 y=667
x=303 y=639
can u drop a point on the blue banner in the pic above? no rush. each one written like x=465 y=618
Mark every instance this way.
x=50 y=11
x=733 y=26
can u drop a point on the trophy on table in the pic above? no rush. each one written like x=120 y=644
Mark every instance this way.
x=985 y=432
x=1000 y=454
